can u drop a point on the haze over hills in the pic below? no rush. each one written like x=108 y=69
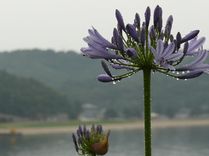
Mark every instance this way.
x=74 y=76
x=28 y=98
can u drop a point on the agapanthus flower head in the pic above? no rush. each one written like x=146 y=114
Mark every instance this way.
x=146 y=45
x=91 y=142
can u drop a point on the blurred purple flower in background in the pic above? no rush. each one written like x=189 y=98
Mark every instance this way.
x=91 y=142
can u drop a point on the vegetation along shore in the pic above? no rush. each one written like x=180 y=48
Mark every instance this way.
x=36 y=128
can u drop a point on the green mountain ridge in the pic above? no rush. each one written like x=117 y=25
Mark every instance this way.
x=28 y=98
x=73 y=75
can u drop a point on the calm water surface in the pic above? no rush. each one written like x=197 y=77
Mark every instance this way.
x=166 y=142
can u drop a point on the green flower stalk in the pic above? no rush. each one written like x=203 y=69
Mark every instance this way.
x=147 y=47
x=91 y=142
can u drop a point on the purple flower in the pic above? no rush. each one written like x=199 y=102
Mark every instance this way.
x=98 y=47
x=164 y=57
x=92 y=142
x=148 y=46
x=198 y=64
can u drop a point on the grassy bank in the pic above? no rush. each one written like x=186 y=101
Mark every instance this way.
x=32 y=128
x=48 y=124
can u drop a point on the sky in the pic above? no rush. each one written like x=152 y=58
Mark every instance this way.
x=61 y=24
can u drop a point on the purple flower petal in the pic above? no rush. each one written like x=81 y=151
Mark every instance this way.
x=131 y=52
x=118 y=39
x=152 y=33
x=168 y=66
x=168 y=26
x=194 y=45
x=105 y=78
x=137 y=21
x=190 y=36
x=190 y=75
x=147 y=16
x=160 y=48
x=178 y=40
x=99 y=38
x=120 y=19
x=143 y=35
x=117 y=66
x=197 y=63
x=174 y=57
x=132 y=32
x=106 y=69
x=99 y=54
x=158 y=18
x=169 y=50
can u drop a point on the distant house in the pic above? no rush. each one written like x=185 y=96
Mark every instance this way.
x=58 y=117
x=10 y=118
x=91 y=112
x=183 y=113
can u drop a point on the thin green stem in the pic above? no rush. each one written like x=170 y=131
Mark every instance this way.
x=147 y=112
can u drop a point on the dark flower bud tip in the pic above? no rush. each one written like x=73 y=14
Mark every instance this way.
x=168 y=26
x=105 y=78
x=178 y=40
x=186 y=46
x=152 y=33
x=147 y=17
x=118 y=39
x=106 y=69
x=120 y=19
x=158 y=18
x=190 y=36
x=131 y=52
x=137 y=20
x=171 y=38
x=143 y=36
x=191 y=75
x=99 y=129
x=80 y=130
x=132 y=32
x=75 y=142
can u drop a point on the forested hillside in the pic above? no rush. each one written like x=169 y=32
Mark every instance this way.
x=74 y=76
x=28 y=98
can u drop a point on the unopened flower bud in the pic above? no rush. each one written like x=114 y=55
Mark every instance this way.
x=120 y=19
x=132 y=32
x=147 y=17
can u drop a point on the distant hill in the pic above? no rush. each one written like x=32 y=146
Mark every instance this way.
x=75 y=76
x=28 y=98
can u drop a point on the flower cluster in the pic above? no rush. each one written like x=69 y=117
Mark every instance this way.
x=91 y=142
x=141 y=46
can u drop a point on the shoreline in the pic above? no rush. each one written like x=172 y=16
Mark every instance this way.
x=129 y=125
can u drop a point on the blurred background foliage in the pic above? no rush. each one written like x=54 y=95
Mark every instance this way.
x=37 y=84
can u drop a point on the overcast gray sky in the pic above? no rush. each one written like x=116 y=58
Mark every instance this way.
x=61 y=24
